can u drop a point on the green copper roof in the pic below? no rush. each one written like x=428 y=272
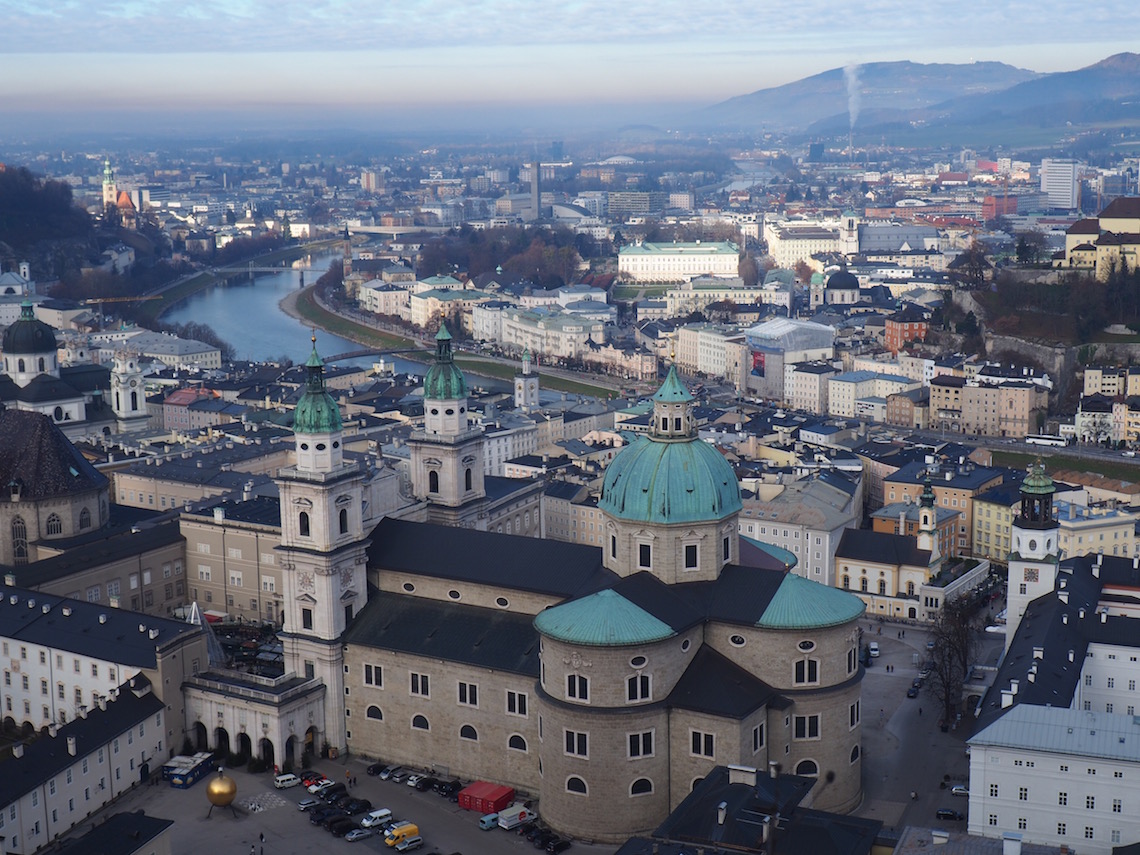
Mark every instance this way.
x=788 y=559
x=800 y=603
x=1037 y=482
x=666 y=481
x=604 y=618
x=316 y=411
x=443 y=380
x=673 y=391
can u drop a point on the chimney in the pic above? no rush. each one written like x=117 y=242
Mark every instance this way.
x=1006 y=699
x=102 y=618
x=82 y=710
x=53 y=729
x=1104 y=616
x=1081 y=612
x=1072 y=655
x=742 y=775
x=102 y=701
x=1063 y=596
x=938 y=837
x=1096 y=569
x=71 y=745
x=18 y=750
x=219 y=514
x=1013 y=684
x=721 y=813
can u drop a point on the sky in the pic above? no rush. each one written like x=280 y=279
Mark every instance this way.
x=59 y=55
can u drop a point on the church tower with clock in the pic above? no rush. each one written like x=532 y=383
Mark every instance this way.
x=1035 y=548
x=322 y=550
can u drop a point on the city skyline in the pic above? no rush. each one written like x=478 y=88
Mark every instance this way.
x=191 y=56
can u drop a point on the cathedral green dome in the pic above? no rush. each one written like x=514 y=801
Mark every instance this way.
x=669 y=477
x=28 y=334
x=444 y=381
x=316 y=412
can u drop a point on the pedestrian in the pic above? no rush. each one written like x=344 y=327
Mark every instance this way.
x=913 y=796
x=252 y=849
x=920 y=710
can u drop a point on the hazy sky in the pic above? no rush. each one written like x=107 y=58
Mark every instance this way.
x=189 y=53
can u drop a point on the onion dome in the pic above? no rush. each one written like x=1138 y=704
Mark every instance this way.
x=316 y=411
x=28 y=334
x=444 y=381
x=669 y=475
x=842 y=280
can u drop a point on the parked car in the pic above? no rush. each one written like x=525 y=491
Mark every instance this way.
x=541 y=840
x=912 y=692
x=560 y=845
x=342 y=827
x=526 y=828
x=377 y=818
x=401 y=774
x=873 y=649
x=309 y=776
x=426 y=783
x=375 y=769
x=448 y=788
x=947 y=813
x=357 y=805
x=316 y=817
x=917 y=682
x=285 y=781
x=309 y=804
x=410 y=843
x=414 y=779
x=320 y=786
x=359 y=834
x=959 y=790
x=337 y=814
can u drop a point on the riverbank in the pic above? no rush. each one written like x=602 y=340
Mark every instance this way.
x=152 y=311
x=303 y=306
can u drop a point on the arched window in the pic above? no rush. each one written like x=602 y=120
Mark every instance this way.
x=641 y=787
x=84 y=519
x=303 y=523
x=42 y=368
x=863 y=584
x=516 y=742
x=807 y=671
x=910 y=589
x=467 y=479
x=882 y=586
x=846 y=582
x=433 y=482
x=54 y=524
x=374 y=712
x=808 y=768
x=468 y=732
x=118 y=401
x=854 y=753
x=420 y=722
x=19 y=540
x=134 y=400
x=20 y=365
x=344 y=520
x=574 y=784
x=58 y=414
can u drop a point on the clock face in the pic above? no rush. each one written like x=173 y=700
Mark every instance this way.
x=1031 y=574
x=346 y=578
x=305 y=581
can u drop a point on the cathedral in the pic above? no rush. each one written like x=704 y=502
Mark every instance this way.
x=606 y=682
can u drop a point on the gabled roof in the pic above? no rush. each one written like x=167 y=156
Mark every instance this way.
x=716 y=685
x=881 y=548
x=1124 y=207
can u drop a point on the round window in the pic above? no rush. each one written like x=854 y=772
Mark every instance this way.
x=1032 y=545
x=453 y=594
x=462 y=409
x=638 y=662
x=685 y=645
x=434 y=411
x=409 y=587
x=449 y=411
x=736 y=640
x=502 y=602
x=304 y=446
x=321 y=446
x=805 y=646
x=336 y=443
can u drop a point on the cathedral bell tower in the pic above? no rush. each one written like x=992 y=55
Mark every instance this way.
x=928 y=523
x=322 y=550
x=128 y=398
x=526 y=387
x=1034 y=559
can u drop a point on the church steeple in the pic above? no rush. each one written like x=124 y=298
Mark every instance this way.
x=317 y=424
x=927 y=521
x=110 y=193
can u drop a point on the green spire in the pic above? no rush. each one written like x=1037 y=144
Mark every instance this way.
x=316 y=411
x=444 y=380
x=926 y=500
x=673 y=391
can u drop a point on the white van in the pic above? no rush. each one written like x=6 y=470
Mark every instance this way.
x=516 y=815
x=282 y=782
x=873 y=648
x=375 y=818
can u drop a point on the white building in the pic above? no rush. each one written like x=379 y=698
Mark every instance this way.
x=549 y=333
x=678 y=261
x=847 y=389
x=1059 y=181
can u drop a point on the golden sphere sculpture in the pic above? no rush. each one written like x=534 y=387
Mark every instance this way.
x=221 y=790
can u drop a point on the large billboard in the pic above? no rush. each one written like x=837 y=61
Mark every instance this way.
x=758 y=363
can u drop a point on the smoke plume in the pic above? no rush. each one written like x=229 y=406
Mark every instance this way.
x=851 y=75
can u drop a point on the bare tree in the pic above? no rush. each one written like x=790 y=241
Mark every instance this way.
x=954 y=648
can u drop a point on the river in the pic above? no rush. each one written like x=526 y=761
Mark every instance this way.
x=247 y=315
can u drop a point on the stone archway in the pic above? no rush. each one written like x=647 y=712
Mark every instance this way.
x=222 y=741
x=266 y=750
x=290 y=759
x=244 y=747
x=312 y=742
x=199 y=738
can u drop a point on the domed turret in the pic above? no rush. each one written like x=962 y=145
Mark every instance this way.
x=29 y=347
x=842 y=280
x=316 y=421
x=444 y=380
x=669 y=478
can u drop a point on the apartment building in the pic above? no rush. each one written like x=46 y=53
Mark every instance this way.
x=954 y=485
x=806 y=386
x=678 y=261
x=1012 y=409
x=847 y=389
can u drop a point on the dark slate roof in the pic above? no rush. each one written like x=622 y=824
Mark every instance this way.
x=485 y=638
x=44 y=388
x=486 y=558
x=116 y=639
x=740 y=595
x=881 y=548
x=34 y=452
x=121 y=834
x=106 y=546
x=658 y=599
x=962 y=477
x=716 y=685
x=87 y=377
x=260 y=510
x=47 y=757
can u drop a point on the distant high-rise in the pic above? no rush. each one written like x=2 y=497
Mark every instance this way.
x=535 y=192
x=1059 y=183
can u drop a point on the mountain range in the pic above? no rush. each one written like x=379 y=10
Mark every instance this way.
x=901 y=97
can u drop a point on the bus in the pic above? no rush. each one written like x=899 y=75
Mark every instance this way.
x=1045 y=439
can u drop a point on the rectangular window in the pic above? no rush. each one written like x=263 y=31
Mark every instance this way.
x=235 y=578
x=703 y=744
x=577 y=743
x=993 y=819
x=1023 y=794
x=204 y=572
x=516 y=703
x=757 y=738
x=993 y=791
x=1117 y=806
x=853 y=716
x=374 y=676
x=1090 y=802
x=637 y=687
x=1062 y=799
x=641 y=744
x=806 y=727
x=807 y=671
x=269 y=586
x=469 y=694
x=420 y=685
x=690 y=556
x=577 y=687
x=306 y=618
x=644 y=555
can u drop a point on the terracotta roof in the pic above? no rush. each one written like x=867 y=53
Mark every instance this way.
x=124 y=202
x=1085 y=227
x=1125 y=206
